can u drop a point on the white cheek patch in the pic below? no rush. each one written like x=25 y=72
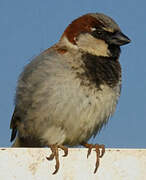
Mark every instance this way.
x=88 y=43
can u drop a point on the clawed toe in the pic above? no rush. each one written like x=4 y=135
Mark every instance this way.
x=51 y=157
x=55 y=154
x=65 y=149
x=99 y=149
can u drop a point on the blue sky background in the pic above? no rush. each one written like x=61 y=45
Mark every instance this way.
x=29 y=27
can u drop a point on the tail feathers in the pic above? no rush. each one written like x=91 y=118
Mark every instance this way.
x=14 y=123
x=17 y=143
x=13 y=135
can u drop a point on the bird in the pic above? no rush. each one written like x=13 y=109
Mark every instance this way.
x=66 y=94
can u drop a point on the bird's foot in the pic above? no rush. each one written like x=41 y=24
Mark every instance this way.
x=99 y=149
x=55 y=154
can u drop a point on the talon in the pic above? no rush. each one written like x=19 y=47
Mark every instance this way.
x=51 y=157
x=99 y=149
x=56 y=169
x=102 y=146
x=55 y=154
x=57 y=161
x=65 y=149
x=89 y=151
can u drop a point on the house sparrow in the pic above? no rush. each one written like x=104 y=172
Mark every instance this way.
x=67 y=93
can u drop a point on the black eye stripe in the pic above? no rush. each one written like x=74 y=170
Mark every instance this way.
x=102 y=34
x=99 y=31
x=99 y=34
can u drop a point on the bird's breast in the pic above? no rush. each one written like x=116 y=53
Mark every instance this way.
x=89 y=111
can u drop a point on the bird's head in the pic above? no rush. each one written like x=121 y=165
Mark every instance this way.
x=95 y=33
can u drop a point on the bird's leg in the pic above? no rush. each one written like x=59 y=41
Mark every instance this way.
x=55 y=154
x=99 y=149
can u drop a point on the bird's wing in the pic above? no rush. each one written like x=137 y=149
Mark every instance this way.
x=13 y=125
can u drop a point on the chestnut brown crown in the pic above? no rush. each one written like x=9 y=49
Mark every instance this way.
x=98 y=26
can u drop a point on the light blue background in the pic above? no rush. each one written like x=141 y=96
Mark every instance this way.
x=29 y=27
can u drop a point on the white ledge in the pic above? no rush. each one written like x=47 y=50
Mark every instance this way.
x=31 y=164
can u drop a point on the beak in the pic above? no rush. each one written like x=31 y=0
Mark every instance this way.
x=119 y=39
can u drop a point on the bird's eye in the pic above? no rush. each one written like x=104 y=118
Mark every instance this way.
x=97 y=32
